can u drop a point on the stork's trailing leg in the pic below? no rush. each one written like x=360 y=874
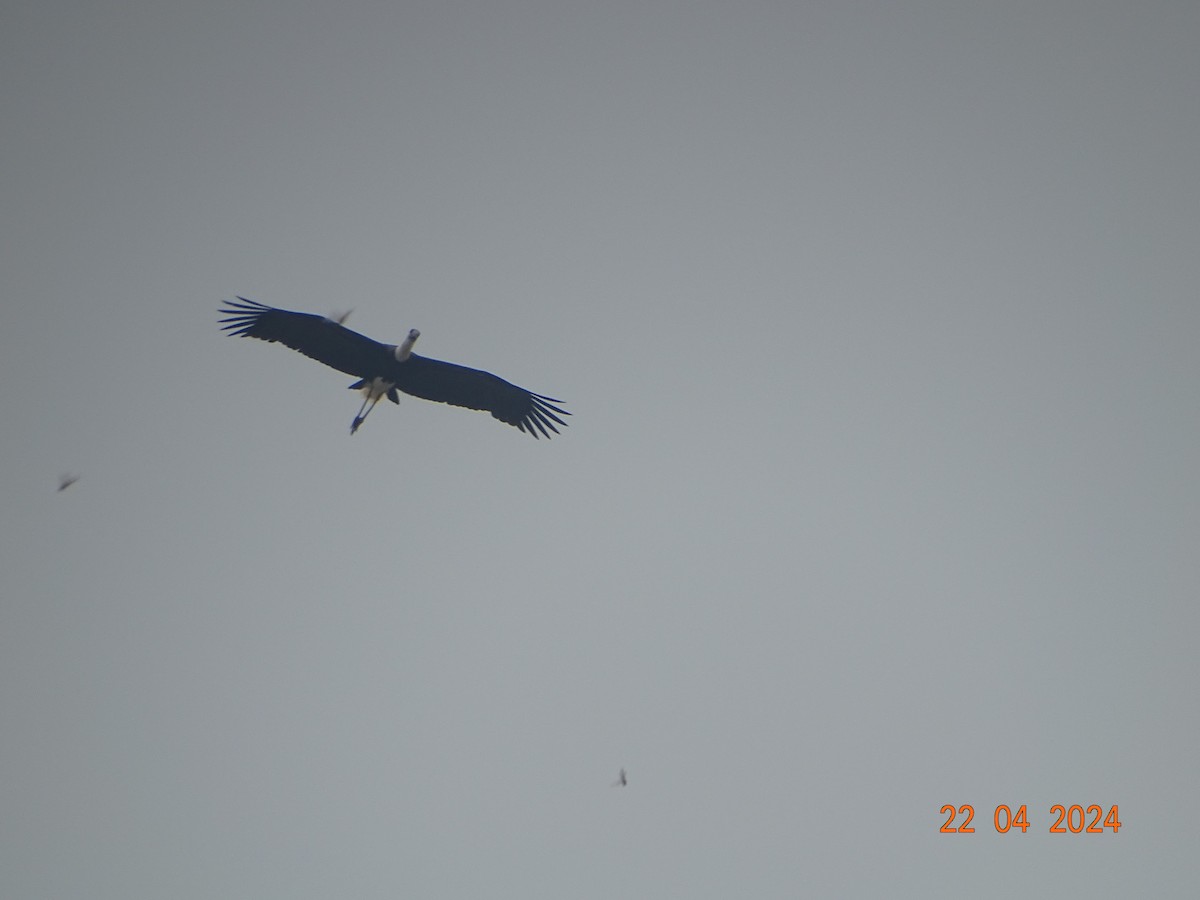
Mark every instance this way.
x=362 y=416
x=372 y=390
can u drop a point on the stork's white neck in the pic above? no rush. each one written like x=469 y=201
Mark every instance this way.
x=404 y=350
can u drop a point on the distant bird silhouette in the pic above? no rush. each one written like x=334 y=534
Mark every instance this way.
x=65 y=481
x=382 y=368
x=621 y=780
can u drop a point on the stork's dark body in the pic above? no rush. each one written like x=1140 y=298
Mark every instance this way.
x=376 y=365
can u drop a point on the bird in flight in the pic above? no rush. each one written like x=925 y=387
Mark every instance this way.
x=621 y=781
x=382 y=368
x=65 y=481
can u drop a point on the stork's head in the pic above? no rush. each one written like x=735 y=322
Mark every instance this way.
x=404 y=351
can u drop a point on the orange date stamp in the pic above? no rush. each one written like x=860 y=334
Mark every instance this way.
x=1074 y=819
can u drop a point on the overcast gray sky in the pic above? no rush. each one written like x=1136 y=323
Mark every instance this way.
x=879 y=326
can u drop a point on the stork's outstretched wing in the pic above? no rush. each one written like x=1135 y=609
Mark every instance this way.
x=317 y=337
x=443 y=382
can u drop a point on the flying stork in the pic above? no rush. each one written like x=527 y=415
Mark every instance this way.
x=382 y=368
